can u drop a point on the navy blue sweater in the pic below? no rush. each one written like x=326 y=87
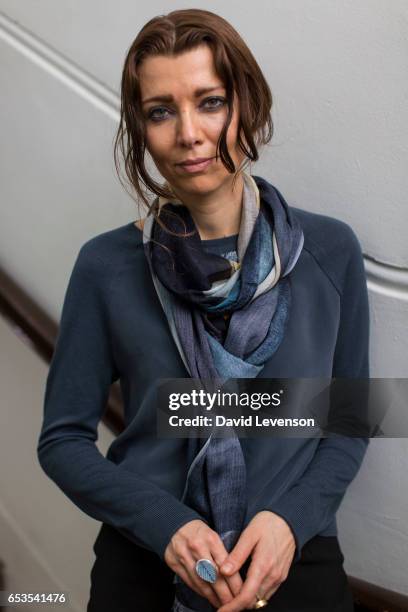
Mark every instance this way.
x=113 y=327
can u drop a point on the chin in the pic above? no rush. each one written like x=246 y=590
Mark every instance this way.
x=201 y=183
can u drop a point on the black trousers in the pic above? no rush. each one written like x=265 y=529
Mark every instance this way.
x=129 y=578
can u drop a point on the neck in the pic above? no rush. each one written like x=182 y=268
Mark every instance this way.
x=216 y=214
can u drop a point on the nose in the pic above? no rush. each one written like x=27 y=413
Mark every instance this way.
x=188 y=129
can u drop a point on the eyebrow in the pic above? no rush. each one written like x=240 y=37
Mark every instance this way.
x=169 y=98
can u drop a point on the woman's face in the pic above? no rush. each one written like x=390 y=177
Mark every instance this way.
x=184 y=123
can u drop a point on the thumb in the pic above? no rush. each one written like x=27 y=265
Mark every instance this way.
x=239 y=554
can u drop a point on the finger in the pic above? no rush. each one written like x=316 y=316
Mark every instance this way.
x=202 y=588
x=255 y=577
x=220 y=586
x=219 y=554
x=188 y=563
x=271 y=591
x=240 y=553
x=223 y=591
x=267 y=587
x=246 y=598
x=235 y=583
x=271 y=582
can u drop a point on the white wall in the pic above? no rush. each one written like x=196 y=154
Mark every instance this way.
x=45 y=541
x=337 y=70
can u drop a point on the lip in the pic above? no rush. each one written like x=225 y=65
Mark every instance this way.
x=197 y=166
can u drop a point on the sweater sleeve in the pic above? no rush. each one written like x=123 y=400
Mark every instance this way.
x=311 y=504
x=77 y=387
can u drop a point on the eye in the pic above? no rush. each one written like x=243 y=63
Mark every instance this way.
x=220 y=102
x=155 y=117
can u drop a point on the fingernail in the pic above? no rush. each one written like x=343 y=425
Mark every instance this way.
x=227 y=567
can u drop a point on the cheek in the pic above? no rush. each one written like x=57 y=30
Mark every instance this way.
x=158 y=141
x=213 y=125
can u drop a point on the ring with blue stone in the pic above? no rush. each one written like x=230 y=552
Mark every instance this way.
x=207 y=570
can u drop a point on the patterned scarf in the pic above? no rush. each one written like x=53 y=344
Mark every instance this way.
x=193 y=285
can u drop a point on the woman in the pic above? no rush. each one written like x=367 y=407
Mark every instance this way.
x=221 y=280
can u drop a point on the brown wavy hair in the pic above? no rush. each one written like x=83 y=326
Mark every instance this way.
x=173 y=34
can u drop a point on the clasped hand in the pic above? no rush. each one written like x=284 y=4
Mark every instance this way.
x=267 y=539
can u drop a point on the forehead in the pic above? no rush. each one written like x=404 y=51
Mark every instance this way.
x=182 y=73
